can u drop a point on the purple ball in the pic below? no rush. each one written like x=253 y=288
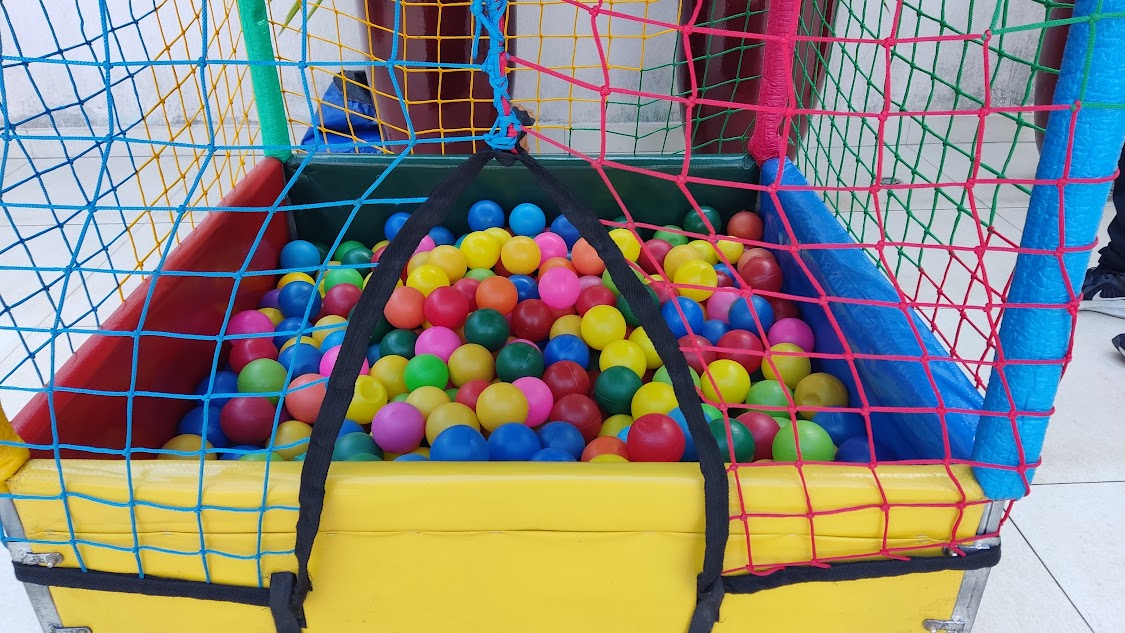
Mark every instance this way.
x=269 y=300
x=793 y=331
x=398 y=427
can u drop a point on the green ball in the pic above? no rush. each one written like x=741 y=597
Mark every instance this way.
x=357 y=257
x=398 y=343
x=262 y=376
x=362 y=457
x=452 y=393
x=662 y=375
x=673 y=235
x=815 y=443
x=480 y=274
x=627 y=312
x=614 y=389
x=743 y=440
x=693 y=221
x=346 y=247
x=261 y=457
x=321 y=248
x=401 y=397
x=338 y=276
x=519 y=360
x=769 y=397
x=487 y=328
x=426 y=370
x=353 y=443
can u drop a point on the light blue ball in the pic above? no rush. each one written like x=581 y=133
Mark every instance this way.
x=527 y=219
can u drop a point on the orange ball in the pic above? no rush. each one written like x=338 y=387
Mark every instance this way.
x=303 y=399
x=556 y=262
x=404 y=308
x=585 y=258
x=497 y=293
x=605 y=445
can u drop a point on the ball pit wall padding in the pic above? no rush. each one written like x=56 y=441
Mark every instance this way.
x=167 y=362
x=873 y=321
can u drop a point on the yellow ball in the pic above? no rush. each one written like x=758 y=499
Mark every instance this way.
x=369 y=397
x=274 y=314
x=520 y=255
x=481 y=250
x=652 y=359
x=627 y=242
x=291 y=277
x=696 y=273
x=731 y=250
x=501 y=403
x=608 y=458
x=613 y=425
x=427 y=398
x=424 y=451
x=654 y=397
x=380 y=244
x=417 y=260
x=295 y=433
x=307 y=340
x=427 y=278
x=725 y=381
x=569 y=324
x=819 y=390
x=678 y=256
x=447 y=415
x=625 y=354
x=451 y=260
x=327 y=325
x=602 y=325
x=706 y=251
x=471 y=362
x=790 y=361
x=188 y=443
x=390 y=371
x=499 y=234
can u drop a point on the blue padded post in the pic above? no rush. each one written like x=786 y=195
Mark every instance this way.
x=1091 y=76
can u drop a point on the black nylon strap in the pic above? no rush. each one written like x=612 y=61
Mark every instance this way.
x=73 y=578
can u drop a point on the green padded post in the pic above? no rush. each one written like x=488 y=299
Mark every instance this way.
x=263 y=76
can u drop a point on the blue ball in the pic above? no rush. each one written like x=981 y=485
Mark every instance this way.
x=713 y=330
x=241 y=449
x=373 y=353
x=566 y=347
x=526 y=288
x=689 y=444
x=855 y=450
x=623 y=434
x=204 y=421
x=513 y=442
x=441 y=236
x=299 y=298
x=289 y=328
x=563 y=436
x=300 y=359
x=300 y=255
x=553 y=455
x=460 y=239
x=223 y=382
x=841 y=425
x=741 y=316
x=565 y=230
x=459 y=443
x=485 y=214
x=394 y=224
x=527 y=219
x=349 y=426
x=678 y=325
x=334 y=339
x=411 y=457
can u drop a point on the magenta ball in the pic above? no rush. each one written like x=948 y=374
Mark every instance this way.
x=439 y=341
x=328 y=361
x=540 y=401
x=398 y=427
x=269 y=300
x=249 y=322
x=559 y=288
x=793 y=331
x=586 y=281
x=426 y=245
x=550 y=245
x=718 y=306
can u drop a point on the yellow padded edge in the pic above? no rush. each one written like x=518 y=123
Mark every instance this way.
x=11 y=457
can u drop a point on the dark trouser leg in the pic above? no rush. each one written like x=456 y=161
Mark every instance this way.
x=1113 y=254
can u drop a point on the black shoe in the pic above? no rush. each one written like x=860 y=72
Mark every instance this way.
x=1119 y=343
x=1103 y=292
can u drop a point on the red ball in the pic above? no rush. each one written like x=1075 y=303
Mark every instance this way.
x=697 y=359
x=763 y=428
x=468 y=287
x=664 y=290
x=655 y=437
x=723 y=280
x=605 y=446
x=743 y=348
x=376 y=254
x=597 y=295
x=247 y=420
x=446 y=307
x=745 y=225
x=580 y=411
x=654 y=252
x=561 y=312
x=244 y=350
x=470 y=391
x=751 y=253
x=404 y=308
x=783 y=309
x=340 y=299
x=532 y=320
x=566 y=377
x=762 y=273
x=500 y=271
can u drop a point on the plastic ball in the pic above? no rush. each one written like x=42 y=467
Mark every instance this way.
x=713 y=330
x=614 y=425
x=248 y=420
x=399 y=343
x=857 y=450
x=706 y=251
x=718 y=305
x=404 y=308
x=730 y=251
x=468 y=393
x=641 y=338
x=662 y=375
x=291 y=438
x=499 y=234
x=459 y=443
x=488 y=328
x=470 y=362
x=841 y=425
x=608 y=458
x=497 y=293
x=517 y=360
x=562 y=436
x=551 y=246
x=742 y=347
x=770 y=397
x=553 y=263
x=585 y=259
x=789 y=362
x=304 y=395
x=411 y=457
x=627 y=242
x=468 y=288
x=697 y=352
x=247 y=350
x=696 y=273
x=741 y=440
x=341 y=299
x=677 y=415
x=745 y=225
x=187 y=443
x=398 y=427
x=565 y=378
x=605 y=446
x=540 y=400
x=672 y=234
x=614 y=389
x=269 y=300
x=558 y=288
x=349 y=446
x=810 y=443
x=261 y=456
x=593 y=296
x=370 y=396
x=479 y=274
x=753 y=316
x=327 y=325
x=289 y=328
x=654 y=397
x=427 y=278
x=335 y=339
x=513 y=443
x=300 y=254
x=299 y=299
x=585 y=281
x=703 y=220
x=328 y=362
x=763 y=274
x=601 y=325
x=501 y=403
x=527 y=219
x=565 y=230
x=569 y=324
x=652 y=255
x=681 y=314
x=725 y=381
x=449 y=415
x=304 y=340
x=655 y=438
x=526 y=287
x=678 y=256
x=340 y=276
x=552 y=455
x=793 y=331
x=389 y=371
x=566 y=347
x=485 y=214
x=520 y=255
x=205 y=422
x=726 y=278
x=359 y=256
x=623 y=354
x=441 y=235
x=763 y=428
x=426 y=370
x=481 y=250
x=394 y=224
x=439 y=341
x=223 y=382
x=819 y=391
x=451 y=260
x=249 y=322
x=426 y=399
x=263 y=376
x=580 y=411
x=784 y=308
x=289 y=278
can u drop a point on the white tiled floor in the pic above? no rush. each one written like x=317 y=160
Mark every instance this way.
x=1063 y=559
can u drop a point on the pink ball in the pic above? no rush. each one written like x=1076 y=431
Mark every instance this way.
x=550 y=245
x=426 y=245
x=718 y=306
x=398 y=427
x=328 y=361
x=439 y=341
x=586 y=281
x=559 y=288
x=249 y=322
x=540 y=401
x=793 y=331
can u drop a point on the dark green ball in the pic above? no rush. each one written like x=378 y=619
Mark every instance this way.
x=346 y=247
x=693 y=223
x=614 y=389
x=382 y=328
x=363 y=457
x=322 y=249
x=673 y=235
x=398 y=343
x=743 y=440
x=487 y=328
x=627 y=312
x=351 y=444
x=518 y=360
x=357 y=257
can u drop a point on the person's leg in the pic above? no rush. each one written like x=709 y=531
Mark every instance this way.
x=1104 y=288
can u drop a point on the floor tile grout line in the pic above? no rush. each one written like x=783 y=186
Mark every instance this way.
x=1052 y=575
